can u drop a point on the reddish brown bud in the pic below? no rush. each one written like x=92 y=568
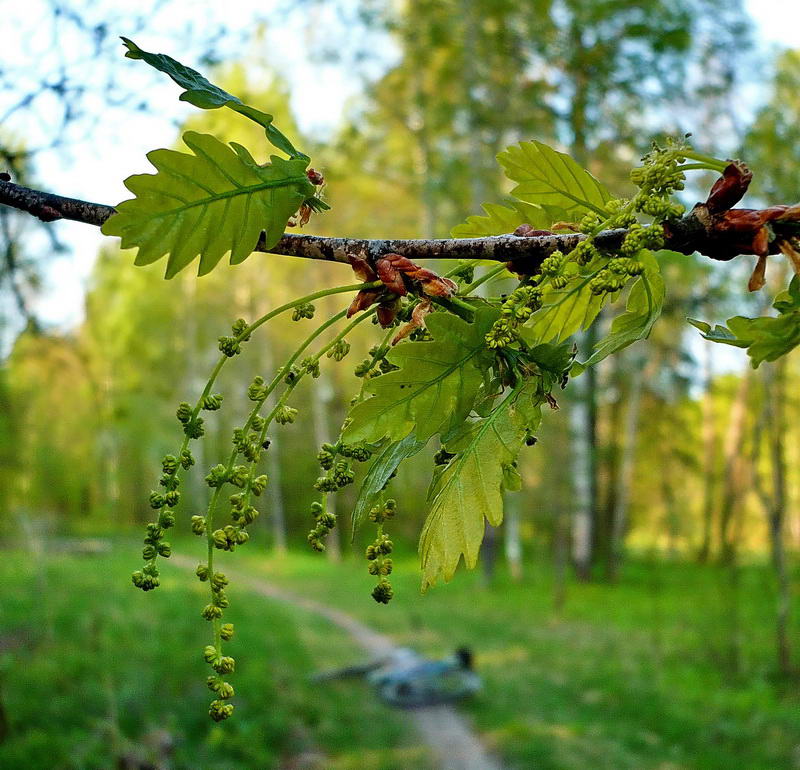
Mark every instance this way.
x=362 y=269
x=730 y=188
x=417 y=320
x=388 y=268
x=48 y=214
x=386 y=313
x=528 y=231
x=315 y=177
x=758 y=278
x=305 y=214
x=436 y=286
x=363 y=300
x=788 y=250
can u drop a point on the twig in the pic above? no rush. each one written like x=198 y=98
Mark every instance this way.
x=687 y=235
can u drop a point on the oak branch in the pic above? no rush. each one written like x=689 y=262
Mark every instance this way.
x=701 y=230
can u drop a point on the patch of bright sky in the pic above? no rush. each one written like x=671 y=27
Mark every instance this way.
x=95 y=165
x=116 y=145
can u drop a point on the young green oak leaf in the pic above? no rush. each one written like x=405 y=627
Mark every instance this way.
x=435 y=387
x=205 y=95
x=766 y=338
x=553 y=180
x=566 y=311
x=216 y=201
x=380 y=471
x=468 y=490
x=644 y=306
x=501 y=220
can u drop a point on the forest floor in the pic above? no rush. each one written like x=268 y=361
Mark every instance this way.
x=452 y=743
x=671 y=668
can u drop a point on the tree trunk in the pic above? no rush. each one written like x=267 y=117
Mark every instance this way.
x=274 y=491
x=488 y=553
x=561 y=550
x=581 y=489
x=710 y=442
x=735 y=471
x=624 y=477
x=277 y=511
x=774 y=502
x=583 y=423
x=511 y=542
x=733 y=490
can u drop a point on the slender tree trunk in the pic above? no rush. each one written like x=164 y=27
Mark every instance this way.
x=609 y=466
x=511 y=542
x=671 y=515
x=734 y=486
x=195 y=383
x=624 y=477
x=561 y=551
x=710 y=442
x=488 y=553
x=581 y=485
x=776 y=404
x=277 y=510
x=583 y=423
x=735 y=470
x=774 y=502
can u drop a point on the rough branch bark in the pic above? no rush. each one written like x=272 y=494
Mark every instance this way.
x=690 y=234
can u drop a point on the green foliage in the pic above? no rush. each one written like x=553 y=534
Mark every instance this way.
x=644 y=306
x=205 y=95
x=766 y=338
x=468 y=490
x=383 y=467
x=127 y=693
x=500 y=220
x=215 y=201
x=475 y=373
x=567 y=311
x=435 y=387
x=551 y=179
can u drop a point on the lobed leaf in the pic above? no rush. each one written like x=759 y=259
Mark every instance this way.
x=553 y=180
x=380 y=471
x=644 y=306
x=766 y=338
x=501 y=220
x=565 y=311
x=553 y=359
x=468 y=491
x=435 y=387
x=216 y=201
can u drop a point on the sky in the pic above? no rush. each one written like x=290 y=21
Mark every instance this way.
x=95 y=167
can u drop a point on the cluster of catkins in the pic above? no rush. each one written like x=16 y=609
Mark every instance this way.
x=657 y=179
x=378 y=551
x=334 y=459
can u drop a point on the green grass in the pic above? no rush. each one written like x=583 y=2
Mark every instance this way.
x=91 y=670
x=636 y=675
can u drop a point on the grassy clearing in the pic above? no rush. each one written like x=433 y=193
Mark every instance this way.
x=638 y=675
x=92 y=670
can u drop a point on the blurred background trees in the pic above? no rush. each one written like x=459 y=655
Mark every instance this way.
x=684 y=452
x=413 y=155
